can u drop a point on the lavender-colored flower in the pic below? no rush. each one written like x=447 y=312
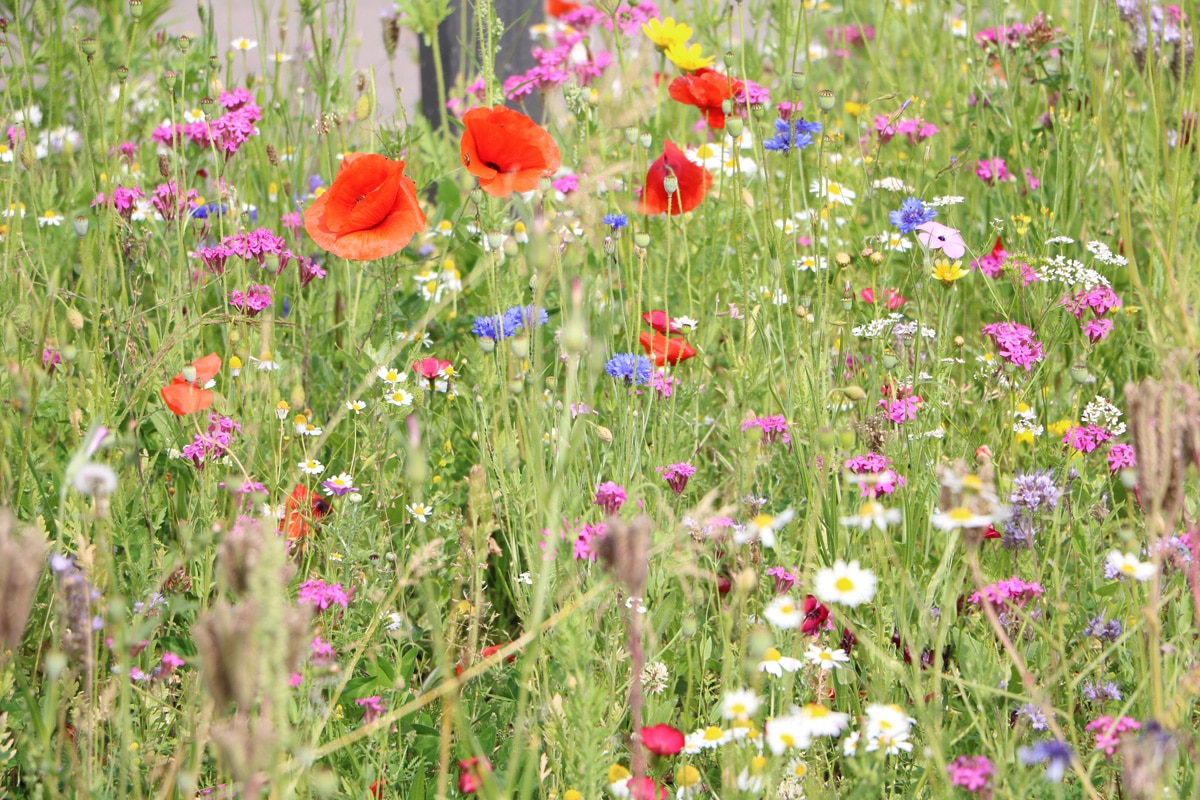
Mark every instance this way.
x=912 y=212
x=1055 y=754
x=1097 y=692
x=1104 y=630
x=80 y=602
x=1034 y=715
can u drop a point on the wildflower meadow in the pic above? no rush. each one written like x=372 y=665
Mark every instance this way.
x=749 y=399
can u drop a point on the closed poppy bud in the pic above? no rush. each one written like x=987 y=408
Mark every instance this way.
x=369 y=212
x=734 y=126
x=646 y=140
x=631 y=135
x=506 y=150
x=641 y=239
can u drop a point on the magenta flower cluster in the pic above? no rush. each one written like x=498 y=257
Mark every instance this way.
x=227 y=133
x=1017 y=344
x=882 y=478
x=1010 y=591
x=973 y=773
x=774 y=429
x=322 y=595
x=252 y=301
x=676 y=475
x=213 y=443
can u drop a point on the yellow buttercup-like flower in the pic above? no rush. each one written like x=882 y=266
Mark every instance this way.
x=688 y=57
x=947 y=272
x=667 y=33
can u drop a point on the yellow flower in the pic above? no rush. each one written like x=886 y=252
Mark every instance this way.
x=1060 y=427
x=1024 y=437
x=947 y=272
x=854 y=109
x=688 y=57
x=667 y=33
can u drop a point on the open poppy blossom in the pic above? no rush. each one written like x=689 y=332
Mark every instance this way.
x=706 y=89
x=370 y=211
x=936 y=236
x=662 y=740
x=666 y=350
x=185 y=397
x=301 y=511
x=661 y=322
x=692 y=183
x=506 y=150
x=556 y=8
x=430 y=368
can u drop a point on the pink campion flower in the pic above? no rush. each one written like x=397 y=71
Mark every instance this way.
x=1097 y=329
x=972 y=773
x=787 y=108
x=662 y=383
x=1121 y=456
x=879 y=477
x=676 y=475
x=588 y=71
x=610 y=496
x=295 y=679
x=901 y=410
x=1086 y=438
x=291 y=221
x=171 y=203
x=1100 y=301
x=585 y=542
x=309 y=270
x=566 y=184
x=50 y=359
x=884 y=128
x=322 y=595
x=1011 y=592
x=1108 y=732
x=936 y=236
x=774 y=428
x=1017 y=344
x=750 y=93
x=894 y=298
x=992 y=171
x=372 y=708
x=784 y=580
x=1032 y=181
x=254 y=300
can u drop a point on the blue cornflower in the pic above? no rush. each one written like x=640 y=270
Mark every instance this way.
x=489 y=328
x=519 y=317
x=789 y=136
x=912 y=212
x=210 y=209
x=615 y=221
x=1056 y=754
x=629 y=368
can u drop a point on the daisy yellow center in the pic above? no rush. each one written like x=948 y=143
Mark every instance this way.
x=959 y=514
x=817 y=711
x=825 y=655
x=772 y=654
x=1128 y=568
x=870 y=510
x=757 y=763
x=786 y=608
x=844 y=584
x=835 y=188
x=763 y=521
x=712 y=733
x=972 y=482
x=704 y=151
x=787 y=739
x=800 y=770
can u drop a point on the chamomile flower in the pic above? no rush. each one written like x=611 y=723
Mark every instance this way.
x=243 y=45
x=281 y=57
x=873 y=515
x=783 y=612
x=826 y=658
x=959 y=517
x=752 y=779
x=391 y=375
x=264 y=362
x=776 y=663
x=819 y=720
x=420 y=510
x=1128 y=565
x=311 y=467
x=764 y=526
x=708 y=738
x=398 y=397
x=787 y=732
x=847 y=584
x=685 y=323
x=50 y=217
x=355 y=405
x=282 y=410
x=193 y=115
x=887 y=720
x=810 y=263
x=832 y=191
x=740 y=704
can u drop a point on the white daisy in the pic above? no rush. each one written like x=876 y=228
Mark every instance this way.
x=832 y=191
x=1128 y=565
x=311 y=467
x=826 y=658
x=739 y=704
x=783 y=612
x=821 y=721
x=787 y=732
x=355 y=405
x=847 y=584
x=398 y=397
x=871 y=514
x=391 y=375
x=243 y=44
x=959 y=518
x=420 y=510
x=776 y=663
x=887 y=720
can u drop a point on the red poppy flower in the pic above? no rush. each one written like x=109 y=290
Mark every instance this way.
x=662 y=740
x=693 y=182
x=660 y=322
x=369 y=212
x=470 y=776
x=430 y=368
x=302 y=510
x=185 y=397
x=506 y=150
x=556 y=8
x=206 y=369
x=666 y=350
x=644 y=788
x=706 y=89
x=815 y=616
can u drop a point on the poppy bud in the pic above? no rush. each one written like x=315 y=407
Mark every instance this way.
x=759 y=109
x=799 y=81
x=1080 y=375
x=519 y=347
x=80 y=224
x=487 y=345
x=854 y=393
x=826 y=100
x=185 y=44
x=734 y=126
x=960 y=341
x=641 y=239
x=1129 y=479
x=169 y=80
x=889 y=360
x=89 y=47
x=136 y=8
x=646 y=140
x=476 y=196
x=846 y=438
x=70 y=353
x=545 y=184
x=122 y=73
x=631 y=134
x=728 y=59
x=670 y=184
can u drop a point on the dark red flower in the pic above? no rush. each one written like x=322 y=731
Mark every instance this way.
x=815 y=616
x=692 y=183
x=662 y=740
x=706 y=89
x=506 y=150
x=666 y=350
x=471 y=772
x=370 y=211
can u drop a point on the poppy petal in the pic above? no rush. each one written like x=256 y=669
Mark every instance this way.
x=370 y=211
x=506 y=150
x=184 y=398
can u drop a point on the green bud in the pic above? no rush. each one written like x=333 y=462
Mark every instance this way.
x=641 y=239
x=519 y=346
x=89 y=46
x=734 y=126
x=826 y=100
x=136 y=8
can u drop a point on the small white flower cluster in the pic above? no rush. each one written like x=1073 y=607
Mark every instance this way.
x=1060 y=240
x=1103 y=414
x=945 y=200
x=1025 y=421
x=1070 y=272
x=893 y=324
x=891 y=184
x=1104 y=255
